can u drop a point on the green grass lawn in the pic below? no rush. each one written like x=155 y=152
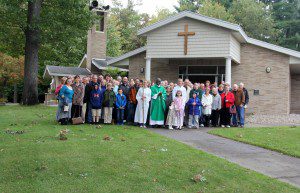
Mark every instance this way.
x=282 y=139
x=134 y=160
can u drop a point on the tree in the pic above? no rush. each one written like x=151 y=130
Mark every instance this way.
x=159 y=15
x=216 y=10
x=190 y=5
x=114 y=46
x=32 y=43
x=54 y=32
x=127 y=20
x=11 y=73
x=286 y=14
x=255 y=18
x=226 y=3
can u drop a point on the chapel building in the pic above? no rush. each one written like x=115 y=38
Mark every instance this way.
x=200 y=48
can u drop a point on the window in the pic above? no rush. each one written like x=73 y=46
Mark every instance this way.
x=100 y=23
x=182 y=69
x=202 y=70
x=221 y=70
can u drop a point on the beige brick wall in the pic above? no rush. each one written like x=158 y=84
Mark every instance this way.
x=159 y=68
x=273 y=87
x=96 y=43
x=135 y=64
x=295 y=94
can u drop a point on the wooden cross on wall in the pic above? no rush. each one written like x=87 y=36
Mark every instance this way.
x=186 y=34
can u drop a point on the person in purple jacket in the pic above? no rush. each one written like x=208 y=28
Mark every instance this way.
x=120 y=104
x=96 y=98
x=194 y=112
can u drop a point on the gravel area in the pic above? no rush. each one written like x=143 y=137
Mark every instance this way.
x=291 y=119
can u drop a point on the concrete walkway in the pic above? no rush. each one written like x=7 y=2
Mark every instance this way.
x=270 y=163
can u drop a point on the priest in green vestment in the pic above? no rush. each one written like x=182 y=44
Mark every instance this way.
x=158 y=104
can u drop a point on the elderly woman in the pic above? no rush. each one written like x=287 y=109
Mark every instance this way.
x=78 y=89
x=216 y=107
x=206 y=105
x=65 y=102
x=227 y=99
x=62 y=82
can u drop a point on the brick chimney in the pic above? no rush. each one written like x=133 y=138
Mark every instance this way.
x=96 y=41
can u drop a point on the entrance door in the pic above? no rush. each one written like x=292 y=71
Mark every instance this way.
x=202 y=73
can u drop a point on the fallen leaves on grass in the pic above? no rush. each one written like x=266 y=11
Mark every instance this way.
x=123 y=139
x=98 y=126
x=34 y=122
x=11 y=132
x=239 y=135
x=41 y=167
x=84 y=175
x=145 y=150
x=106 y=138
x=63 y=134
x=199 y=178
x=163 y=149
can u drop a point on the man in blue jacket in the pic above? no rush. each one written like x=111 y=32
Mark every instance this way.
x=96 y=98
x=194 y=104
x=120 y=104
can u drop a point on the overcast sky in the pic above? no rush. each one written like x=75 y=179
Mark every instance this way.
x=149 y=6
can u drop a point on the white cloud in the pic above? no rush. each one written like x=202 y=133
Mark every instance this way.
x=150 y=6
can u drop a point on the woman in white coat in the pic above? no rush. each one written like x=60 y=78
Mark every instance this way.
x=207 y=101
x=143 y=98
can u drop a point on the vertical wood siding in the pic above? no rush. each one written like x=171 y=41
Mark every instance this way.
x=235 y=49
x=209 y=41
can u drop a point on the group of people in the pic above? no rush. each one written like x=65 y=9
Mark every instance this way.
x=102 y=99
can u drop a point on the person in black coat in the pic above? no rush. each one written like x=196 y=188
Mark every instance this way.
x=87 y=93
x=169 y=100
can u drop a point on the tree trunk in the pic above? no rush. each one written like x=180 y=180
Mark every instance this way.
x=15 y=93
x=32 y=35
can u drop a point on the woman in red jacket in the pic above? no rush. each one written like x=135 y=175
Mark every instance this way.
x=227 y=98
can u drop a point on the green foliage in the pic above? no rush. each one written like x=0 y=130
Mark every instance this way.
x=114 y=72
x=255 y=19
x=63 y=26
x=287 y=18
x=160 y=15
x=36 y=161
x=114 y=46
x=191 y=5
x=127 y=21
x=216 y=10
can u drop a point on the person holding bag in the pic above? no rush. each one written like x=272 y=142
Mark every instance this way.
x=65 y=102
x=227 y=102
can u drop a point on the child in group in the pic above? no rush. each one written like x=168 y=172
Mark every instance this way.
x=194 y=104
x=108 y=103
x=179 y=104
x=96 y=98
x=120 y=104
